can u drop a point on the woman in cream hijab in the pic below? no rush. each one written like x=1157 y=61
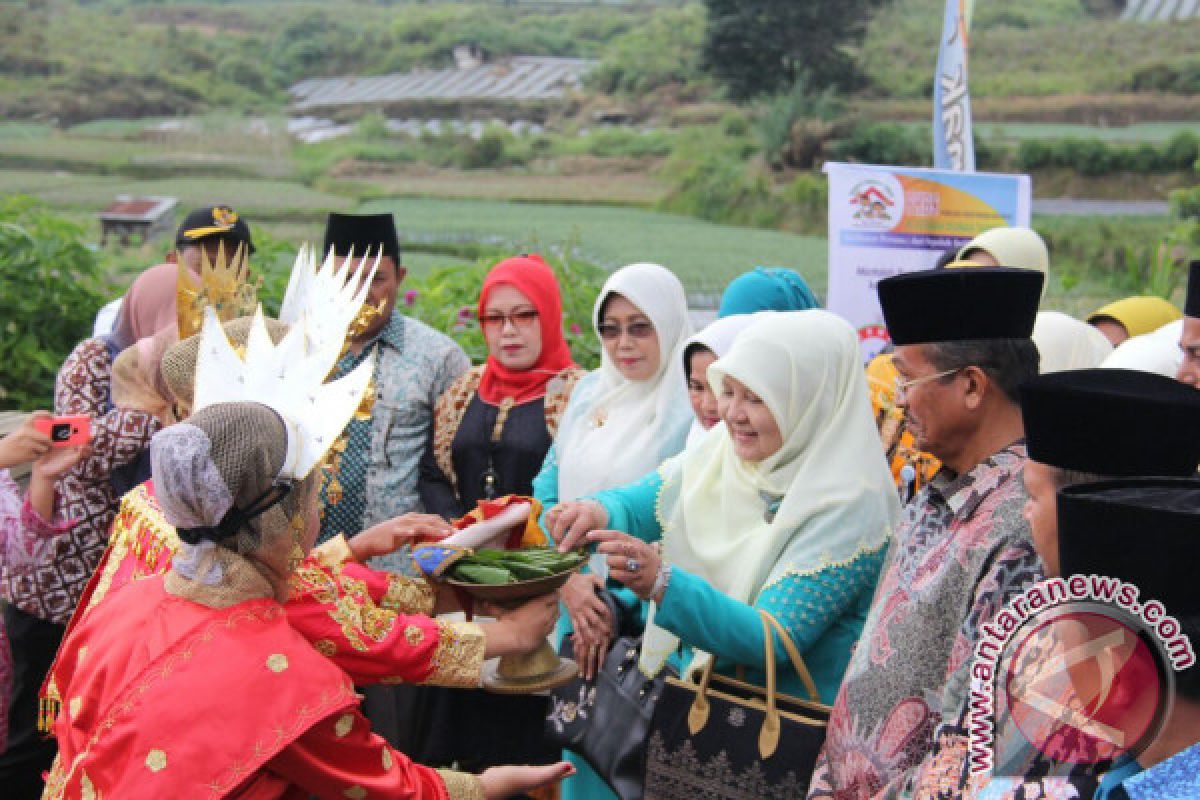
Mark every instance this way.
x=1064 y=343
x=787 y=506
x=622 y=421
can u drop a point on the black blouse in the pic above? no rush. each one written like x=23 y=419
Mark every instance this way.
x=515 y=460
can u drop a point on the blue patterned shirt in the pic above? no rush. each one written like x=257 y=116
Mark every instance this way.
x=378 y=470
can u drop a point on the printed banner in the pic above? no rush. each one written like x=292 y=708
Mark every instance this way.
x=953 y=147
x=887 y=220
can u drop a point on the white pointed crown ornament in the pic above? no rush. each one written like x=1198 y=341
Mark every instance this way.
x=289 y=377
x=332 y=297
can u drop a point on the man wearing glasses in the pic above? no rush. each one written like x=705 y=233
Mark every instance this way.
x=1189 y=339
x=963 y=348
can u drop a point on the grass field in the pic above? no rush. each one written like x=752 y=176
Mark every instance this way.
x=634 y=188
x=268 y=199
x=701 y=253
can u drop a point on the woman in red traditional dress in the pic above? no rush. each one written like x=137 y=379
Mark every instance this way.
x=194 y=684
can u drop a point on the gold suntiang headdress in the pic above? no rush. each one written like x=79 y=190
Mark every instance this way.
x=225 y=286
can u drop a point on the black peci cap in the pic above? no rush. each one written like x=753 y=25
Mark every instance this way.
x=1191 y=304
x=950 y=305
x=361 y=233
x=1113 y=422
x=205 y=223
x=1145 y=531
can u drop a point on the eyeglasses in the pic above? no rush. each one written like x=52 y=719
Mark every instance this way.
x=638 y=330
x=521 y=320
x=903 y=387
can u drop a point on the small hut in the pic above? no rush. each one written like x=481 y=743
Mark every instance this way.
x=143 y=218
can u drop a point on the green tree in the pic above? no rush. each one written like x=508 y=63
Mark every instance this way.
x=758 y=47
x=51 y=286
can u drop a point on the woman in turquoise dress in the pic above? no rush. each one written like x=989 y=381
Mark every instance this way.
x=786 y=506
x=622 y=420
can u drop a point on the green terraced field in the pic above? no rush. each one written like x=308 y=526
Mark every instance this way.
x=701 y=253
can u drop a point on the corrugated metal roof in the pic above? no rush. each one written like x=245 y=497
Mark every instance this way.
x=518 y=78
x=1160 y=10
x=126 y=208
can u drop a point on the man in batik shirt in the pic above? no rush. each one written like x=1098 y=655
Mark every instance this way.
x=963 y=347
x=374 y=475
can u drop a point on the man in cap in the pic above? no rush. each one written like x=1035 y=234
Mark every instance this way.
x=1096 y=523
x=375 y=477
x=209 y=230
x=963 y=347
x=1189 y=339
x=1150 y=426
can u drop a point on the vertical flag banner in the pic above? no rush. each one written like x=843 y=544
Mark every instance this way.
x=953 y=147
x=888 y=220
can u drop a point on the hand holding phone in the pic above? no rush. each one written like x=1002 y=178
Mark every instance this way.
x=67 y=431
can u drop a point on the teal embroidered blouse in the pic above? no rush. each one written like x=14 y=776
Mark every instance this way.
x=822 y=612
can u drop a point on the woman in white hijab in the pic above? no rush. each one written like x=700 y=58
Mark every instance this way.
x=622 y=421
x=699 y=352
x=1156 y=352
x=1065 y=343
x=787 y=506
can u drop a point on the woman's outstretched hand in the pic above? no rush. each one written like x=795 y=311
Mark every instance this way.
x=501 y=782
x=569 y=522
x=390 y=535
x=630 y=560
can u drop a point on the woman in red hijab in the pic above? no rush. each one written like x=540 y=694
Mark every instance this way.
x=491 y=431
x=493 y=426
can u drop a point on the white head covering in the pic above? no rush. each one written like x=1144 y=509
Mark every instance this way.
x=835 y=496
x=1156 y=352
x=717 y=337
x=614 y=431
x=1067 y=343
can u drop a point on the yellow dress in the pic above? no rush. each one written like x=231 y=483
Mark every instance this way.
x=898 y=443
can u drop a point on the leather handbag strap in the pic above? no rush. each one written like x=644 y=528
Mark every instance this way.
x=768 y=735
x=794 y=654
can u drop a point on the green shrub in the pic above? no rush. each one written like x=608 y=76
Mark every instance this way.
x=1182 y=77
x=793 y=127
x=50 y=289
x=885 y=143
x=1097 y=157
x=663 y=50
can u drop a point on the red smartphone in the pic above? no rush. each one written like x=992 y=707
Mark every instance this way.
x=68 y=431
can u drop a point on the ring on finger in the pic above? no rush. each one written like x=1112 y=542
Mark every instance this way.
x=633 y=565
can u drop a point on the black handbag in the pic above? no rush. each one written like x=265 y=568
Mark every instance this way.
x=605 y=720
x=725 y=739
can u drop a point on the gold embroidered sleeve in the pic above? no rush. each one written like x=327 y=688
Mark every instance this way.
x=333 y=553
x=461 y=785
x=407 y=595
x=458 y=660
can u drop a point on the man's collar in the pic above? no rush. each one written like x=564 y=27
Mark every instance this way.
x=392 y=335
x=963 y=493
x=393 y=332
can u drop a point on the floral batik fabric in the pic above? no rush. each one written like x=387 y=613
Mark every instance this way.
x=962 y=550
x=50 y=588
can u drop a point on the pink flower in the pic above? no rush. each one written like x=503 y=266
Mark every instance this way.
x=410 y=297
x=466 y=312
x=575 y=329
